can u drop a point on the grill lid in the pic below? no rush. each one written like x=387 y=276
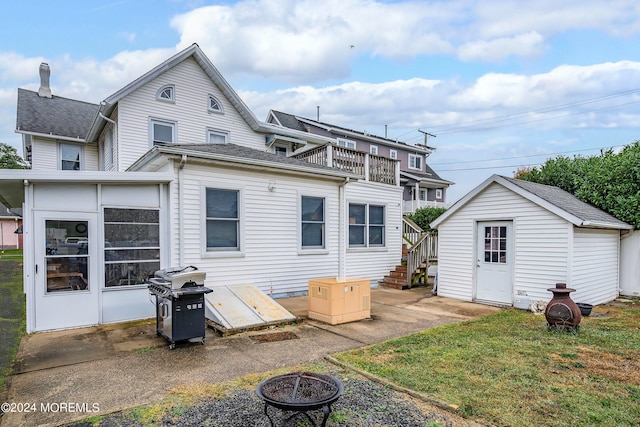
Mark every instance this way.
x=178 y=277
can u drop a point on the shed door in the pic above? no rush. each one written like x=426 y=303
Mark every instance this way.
x=494 y=264
x=66 y=293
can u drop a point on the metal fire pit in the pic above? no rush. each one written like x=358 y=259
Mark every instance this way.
x=562 y=313
x=300 y=392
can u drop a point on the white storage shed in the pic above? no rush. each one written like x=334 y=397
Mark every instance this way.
x=508 y=241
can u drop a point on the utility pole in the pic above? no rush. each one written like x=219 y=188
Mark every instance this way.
x=426 y=145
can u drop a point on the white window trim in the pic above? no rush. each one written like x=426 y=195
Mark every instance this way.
x=438 y=193
x=173 y=94
x=393 y=154
x=226 y=134
x=73 y=144
x=367 y=247
x=173 y=124
x=342 y=142
x=213 y=110
x=373 y=149
x=415 y=156
x=312 y=251
x=221 y=253
x=285 y=146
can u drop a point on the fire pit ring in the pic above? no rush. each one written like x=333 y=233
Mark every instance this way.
x=300 y=392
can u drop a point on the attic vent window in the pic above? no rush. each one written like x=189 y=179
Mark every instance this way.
x=166 y=94
x=214 y=105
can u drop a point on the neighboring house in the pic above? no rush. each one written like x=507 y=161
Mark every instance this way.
x=10 y=233
x=508 y=241
x=421 y=185
x=174 y=169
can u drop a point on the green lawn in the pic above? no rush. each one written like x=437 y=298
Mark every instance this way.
x=507 y=369
x=12 y=311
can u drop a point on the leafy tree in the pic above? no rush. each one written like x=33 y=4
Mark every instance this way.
x=609 y=181
x=424 y=216
x=9 y=158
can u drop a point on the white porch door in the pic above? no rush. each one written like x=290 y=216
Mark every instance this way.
x=494 y=266
x=66 y=285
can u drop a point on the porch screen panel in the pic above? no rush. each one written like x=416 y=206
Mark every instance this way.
x=131 y=246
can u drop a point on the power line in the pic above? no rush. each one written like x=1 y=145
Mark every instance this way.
x=527 y=156
x=536 y=120
x=443 y=128
x=472 y=126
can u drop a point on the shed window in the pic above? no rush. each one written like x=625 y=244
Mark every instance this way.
x=495 y=245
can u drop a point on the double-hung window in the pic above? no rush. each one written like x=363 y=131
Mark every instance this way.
x=217 y=136
x=162 y=131
x=70 y=157
x=222 y=219
x=312 y=222
x=415 y=162
x=346 y=143
x=366 y=225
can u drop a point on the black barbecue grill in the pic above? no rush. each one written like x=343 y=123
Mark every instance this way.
x=179 y=296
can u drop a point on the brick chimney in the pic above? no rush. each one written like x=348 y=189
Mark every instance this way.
x=45 y=74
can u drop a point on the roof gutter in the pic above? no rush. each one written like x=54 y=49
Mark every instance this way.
x=50 y=135
x=595 y=224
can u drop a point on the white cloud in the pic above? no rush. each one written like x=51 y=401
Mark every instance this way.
x=309 y=41
x=526 y=45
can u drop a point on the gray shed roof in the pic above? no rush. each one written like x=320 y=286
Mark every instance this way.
x=554 y=199
x=55 y=116
x=567 y=202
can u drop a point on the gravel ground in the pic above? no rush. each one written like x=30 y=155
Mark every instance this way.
x=363 y=403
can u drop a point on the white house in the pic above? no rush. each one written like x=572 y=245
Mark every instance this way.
x=174 y=169
x=508 y=241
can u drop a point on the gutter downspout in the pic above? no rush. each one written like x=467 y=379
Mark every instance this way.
x=342 y=243
x=183 y=161
x=114 y=141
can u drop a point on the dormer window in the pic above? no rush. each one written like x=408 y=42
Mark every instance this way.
x=214 y=105
x=415 y=162
x=166 y=93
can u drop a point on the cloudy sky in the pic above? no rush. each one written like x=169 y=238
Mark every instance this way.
x=501 y=84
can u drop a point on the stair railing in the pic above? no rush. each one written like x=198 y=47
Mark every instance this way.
x=423 y=249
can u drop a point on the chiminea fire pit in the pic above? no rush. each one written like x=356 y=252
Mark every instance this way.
x=300 y=392
x=562 y=313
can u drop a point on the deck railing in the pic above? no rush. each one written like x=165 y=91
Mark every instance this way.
x=369 y=166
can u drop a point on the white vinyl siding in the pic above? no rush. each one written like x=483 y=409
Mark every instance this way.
x=375 y=262
x=541 y=245
x=271 y=258
x=190 y=112
x=595 y=265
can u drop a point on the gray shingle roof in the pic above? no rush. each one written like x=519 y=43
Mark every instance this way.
x=289 y=121
x=241 y=152
x=54 y=116
x=567 y=202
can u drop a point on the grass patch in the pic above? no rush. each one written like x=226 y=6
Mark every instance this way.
x=12 y=316
x=508 y=369
x=185 y=396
